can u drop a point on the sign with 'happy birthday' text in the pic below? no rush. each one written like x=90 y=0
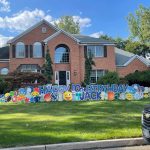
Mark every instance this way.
x=76 y=92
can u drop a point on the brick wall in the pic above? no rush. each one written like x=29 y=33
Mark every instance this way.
x=136 y=64
x=74 y=63
x=35 y=35
x=101 y=63
x=4 y=64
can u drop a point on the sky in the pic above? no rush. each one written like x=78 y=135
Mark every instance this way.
x=95 y=17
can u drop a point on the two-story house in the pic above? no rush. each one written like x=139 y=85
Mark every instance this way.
x=27 y=54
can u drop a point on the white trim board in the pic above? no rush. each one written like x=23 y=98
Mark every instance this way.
x=133 y=58
x=57 y=33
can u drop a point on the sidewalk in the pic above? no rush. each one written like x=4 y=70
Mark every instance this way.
x=85 y=145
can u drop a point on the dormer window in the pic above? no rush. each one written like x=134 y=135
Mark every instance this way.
x=44 y=30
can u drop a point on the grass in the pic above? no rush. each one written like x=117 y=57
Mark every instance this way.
x=57 y=122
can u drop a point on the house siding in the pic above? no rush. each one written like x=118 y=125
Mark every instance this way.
x=35 y=35
x=76 y=65
x=136 y=64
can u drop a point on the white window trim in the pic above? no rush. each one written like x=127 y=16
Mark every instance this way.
x=68 y=79
x=95 y=51
x=35 y=50
x=96 y=73
x=24 y=51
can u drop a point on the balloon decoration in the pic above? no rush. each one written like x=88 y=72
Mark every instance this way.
x=76 y=92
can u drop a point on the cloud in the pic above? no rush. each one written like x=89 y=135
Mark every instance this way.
x=97 y=34
x=23 y=20
x=83 y=22
x=3 y=40
x=4 y=6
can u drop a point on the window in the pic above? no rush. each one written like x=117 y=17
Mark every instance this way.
x=96 y=74
x=95 y=51
x=4 y=71
x=37 y=50
x=62 y=54
x=44 y=30
x=28 y=68
x=20 y=50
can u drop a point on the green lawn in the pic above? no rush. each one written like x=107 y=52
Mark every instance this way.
x=57 y=122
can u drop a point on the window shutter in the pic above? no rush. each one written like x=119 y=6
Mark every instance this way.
x=105 y=51
x=85 y=51
x=43 y=51
x=31 y=51
x=13 y=51
x=26 y=51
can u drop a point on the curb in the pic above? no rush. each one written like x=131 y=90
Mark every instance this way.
x=85 y=145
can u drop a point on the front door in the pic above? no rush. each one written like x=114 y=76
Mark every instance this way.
x=62 y=77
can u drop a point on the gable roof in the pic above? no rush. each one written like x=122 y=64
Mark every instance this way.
x=31 y=28
x=84 y=39
x=57 y=33
x=123 y=58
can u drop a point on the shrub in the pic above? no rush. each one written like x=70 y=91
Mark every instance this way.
x=109 y=78
x=24 y=79
x=141 y=78
x=3 y=86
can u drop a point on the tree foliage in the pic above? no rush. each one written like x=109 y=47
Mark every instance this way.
x=110 y=77
x=88 y=68
x=3 y=86
x=141 y=78
x=48 y=70
x=139 y=25
x=137 y=48
x=68 y=24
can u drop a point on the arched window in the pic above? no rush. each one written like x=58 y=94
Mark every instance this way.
x=20 y=50
x=37 y=50
x=4 y=71
x=62 y=54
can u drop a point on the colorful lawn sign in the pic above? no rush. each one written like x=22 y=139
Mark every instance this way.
x=75 y=92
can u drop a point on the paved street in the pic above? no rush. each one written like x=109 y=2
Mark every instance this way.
x=145 y=147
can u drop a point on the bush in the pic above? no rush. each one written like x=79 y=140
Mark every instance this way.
x=109 y=78
x=141 y=78
x=24 y=79
x=3 y=86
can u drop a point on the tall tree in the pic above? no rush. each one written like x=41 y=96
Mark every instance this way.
x=136 y=48
x=139 y=25
x=68 y=24
x=48 y=70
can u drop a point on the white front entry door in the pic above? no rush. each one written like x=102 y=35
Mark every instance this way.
x=62 y=77
x=57 y=77
x=68 y=77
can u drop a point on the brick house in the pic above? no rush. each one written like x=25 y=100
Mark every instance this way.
x=26 y=53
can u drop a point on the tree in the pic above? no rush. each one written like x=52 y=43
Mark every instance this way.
x=106 y=37
x=136 y=48
x=139 y=25
x=88 y=68
x=68 y=24
x=119 y=42
x=48 y=70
